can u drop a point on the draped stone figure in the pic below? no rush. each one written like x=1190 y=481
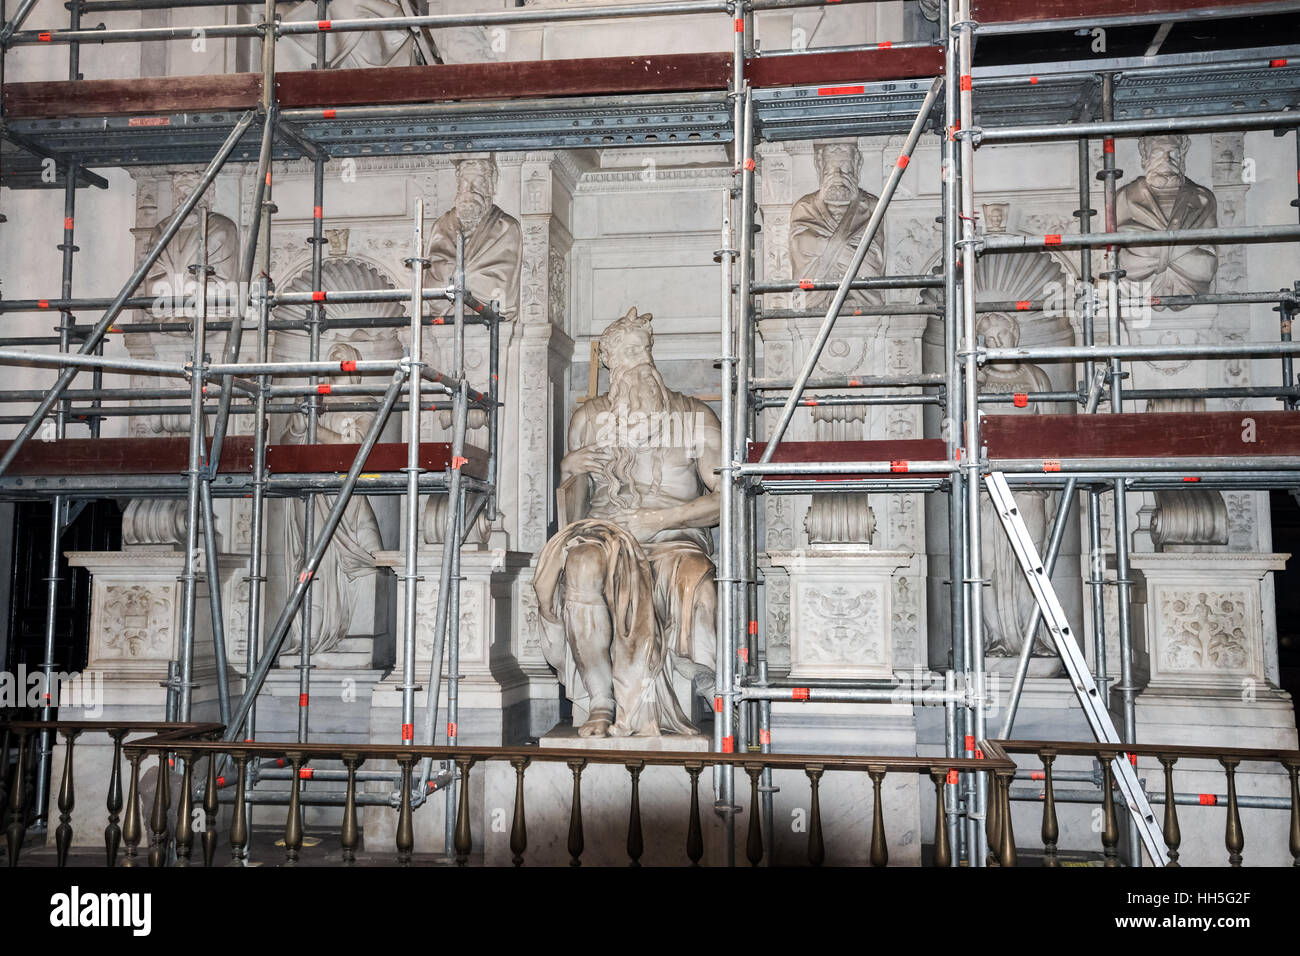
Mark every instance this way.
x=1165 y=199
x=826 y=226
x=493 y=240
x=351 y=50
x=348 y=560
x=1008 y=603
x=171 y=276
x=626 y=588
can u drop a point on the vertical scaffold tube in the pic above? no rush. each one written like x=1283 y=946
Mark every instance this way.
x=723 y=696
x=194 y=474
x=411 y=575
x=457 y=506
x=1114 y=322
x=951 y=430
x=976 y=838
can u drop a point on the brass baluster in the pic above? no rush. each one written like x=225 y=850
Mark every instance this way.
x=113 y=802
x=1110 y=825
x=942 y=848
x=350 y=835
x=992 y=824
x=635 y=843
x=211 y=811
x=464 y=838
x=879 y=849
x=754 y=843
x=1173 y=835
x=694 y=834
x=816 y=846
x=576 y=845
x=1293 y=768
x=158 y=818
x=133 y=823
x=1233 y=837
x=17 y=828
x=239 y=820
x=1051 y=830
x=519 y=827
x=293 y=820
x=67 y=800
x=1006 y=834
x=185 y=812
x=405 y=829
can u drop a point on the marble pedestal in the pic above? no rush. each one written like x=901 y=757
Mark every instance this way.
x=135 y=628
x=842 y=626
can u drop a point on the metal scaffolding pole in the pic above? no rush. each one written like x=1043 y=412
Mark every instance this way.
x=193 y=473
x=141 y=270
x=411 y=575
x=732 y=378
x=951 y=426
x=58 y=508
x=1110 y=176
x=976 y=837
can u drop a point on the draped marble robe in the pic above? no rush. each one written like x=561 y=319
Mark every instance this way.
x=1169 y=270
x=822 y=243
x=492 y=253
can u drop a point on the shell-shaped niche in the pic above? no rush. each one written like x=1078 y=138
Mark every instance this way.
x=344 y=274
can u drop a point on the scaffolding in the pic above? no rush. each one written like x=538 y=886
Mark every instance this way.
x=744 y=96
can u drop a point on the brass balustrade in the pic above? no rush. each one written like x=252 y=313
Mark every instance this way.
x=27 y=732
x=169 y=743
x=1168 y=756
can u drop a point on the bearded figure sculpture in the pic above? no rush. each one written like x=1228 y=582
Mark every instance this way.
x=1161 y=199
x=826 y=226
x=626 y=588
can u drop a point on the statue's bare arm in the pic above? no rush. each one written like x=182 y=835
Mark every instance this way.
x=586 y=456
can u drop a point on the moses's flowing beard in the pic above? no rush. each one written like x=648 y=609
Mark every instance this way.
x=639 y=391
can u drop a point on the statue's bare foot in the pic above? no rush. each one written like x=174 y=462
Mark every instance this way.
x=596 y=727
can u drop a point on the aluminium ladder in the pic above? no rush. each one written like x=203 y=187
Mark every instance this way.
x=1085 y=688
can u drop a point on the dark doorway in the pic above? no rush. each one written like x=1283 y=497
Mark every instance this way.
x=1286 y=539
x=98 y=527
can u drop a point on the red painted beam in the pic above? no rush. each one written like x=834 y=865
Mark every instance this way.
x=122 y=456
x=1024 y=11
x=170 y=456
x=150 y=94
x=386 y=456
x=898 y=453
x=674 y=72
x=1145 y=435
x=594 y=76
x=830 y=70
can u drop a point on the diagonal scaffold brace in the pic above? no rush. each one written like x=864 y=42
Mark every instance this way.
x=1094 y=707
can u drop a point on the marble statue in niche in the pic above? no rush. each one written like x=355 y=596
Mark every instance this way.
x=347 y=51
x=171 y=275
x=626 y=588
x=149 y=522
x=826 y=226
x=1163 y=198
x=493 y=240
x=348 y=560
x=1009 y=603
